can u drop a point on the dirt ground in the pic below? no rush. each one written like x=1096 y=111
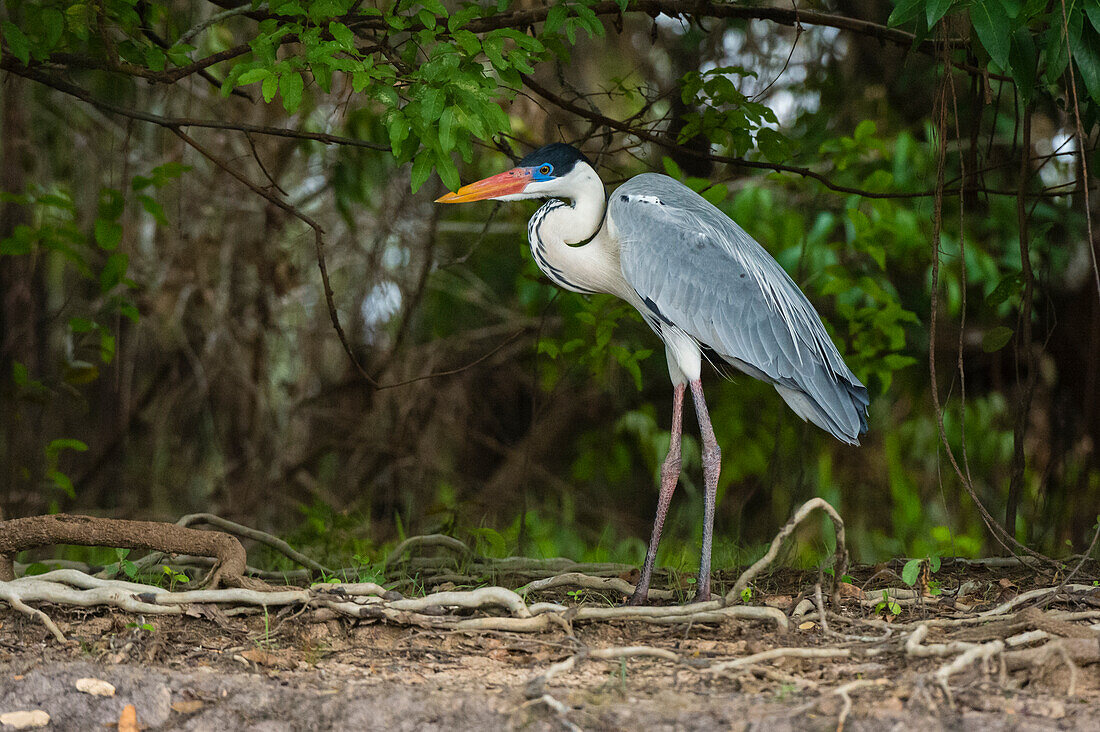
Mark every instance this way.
x=288 y=672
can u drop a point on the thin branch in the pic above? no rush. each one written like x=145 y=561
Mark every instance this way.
x=999 y=533
x=669 y=144
x=217 y=18
x=8 y=63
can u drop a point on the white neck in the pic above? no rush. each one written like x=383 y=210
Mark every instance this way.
x=591 y=267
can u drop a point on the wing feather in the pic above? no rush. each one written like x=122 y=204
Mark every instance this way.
x=717 y=284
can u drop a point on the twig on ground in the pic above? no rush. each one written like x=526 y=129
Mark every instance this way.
x=773 y=653
x=430 y=540
x=16 y=601
x=841 y=554
x=1032 y=595
x=263 y=537
x=982 y=652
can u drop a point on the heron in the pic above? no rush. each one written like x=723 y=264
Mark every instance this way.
x=705 y=287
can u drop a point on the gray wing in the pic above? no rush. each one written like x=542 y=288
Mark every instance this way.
x=696 y=269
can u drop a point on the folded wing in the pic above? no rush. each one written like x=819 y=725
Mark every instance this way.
x=700 y=272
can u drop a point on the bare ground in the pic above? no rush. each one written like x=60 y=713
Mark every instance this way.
x=292 y=672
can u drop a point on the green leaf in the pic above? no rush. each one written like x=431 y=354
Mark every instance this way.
x=153 y=208
x=447 y=130
x=936 y=9
x=111 y=203
x=398 y=129
x=993 y=28
x=18 y=43
x=55 y=447
x=252 y=76
x=448 y=172
x=555 y=18
x=1056 y=50
x=108 y=233
x=716 y=194
x=905 y=11
x=81 y=325
x=113 y=272
x=1024 y=58
x=291 y=85
x=155 y=58
x=78 y=17
x=1093 y=11
x=1009 y=286
x=53 y=27
x=493 y=46
x=468 y=42
x=432 y=104
x=106 y=347
x=270 y=87
x=1085 y=45
x=911 y=571
x=19 y=373
x=896 y=361
x=168 y=171
x=62 y=481
x=996 y=338
x=342 y=35
x=421 y=169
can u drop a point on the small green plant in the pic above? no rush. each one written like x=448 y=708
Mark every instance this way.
x=174 y=577
x=368 y=571
x=123 y=565
x=746 y=595
x=887 y=606
x=145 y=627
x=576 y=595
x=911 y=573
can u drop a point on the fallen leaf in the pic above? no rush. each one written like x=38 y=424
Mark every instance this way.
x=25 y=719
x=127 y=721
x=847 y=589
x=96 y=687
x=808 y=625
x=778 y=601
x=188 y=707
x=18 y=677
x=260 y=656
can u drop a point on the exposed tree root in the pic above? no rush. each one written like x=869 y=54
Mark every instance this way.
x=1005 y=634
x=35 y=531
x=231 y=527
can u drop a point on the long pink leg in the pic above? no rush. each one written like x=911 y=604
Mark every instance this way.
x=712 y=465
x=670 y=475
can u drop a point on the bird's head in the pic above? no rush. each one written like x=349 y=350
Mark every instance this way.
x=552 y=171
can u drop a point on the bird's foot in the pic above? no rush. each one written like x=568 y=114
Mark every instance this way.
x=639 y=598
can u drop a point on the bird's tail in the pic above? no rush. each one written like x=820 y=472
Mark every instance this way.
x=838 y=406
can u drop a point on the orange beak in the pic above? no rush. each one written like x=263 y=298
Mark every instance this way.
x=503 y=184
